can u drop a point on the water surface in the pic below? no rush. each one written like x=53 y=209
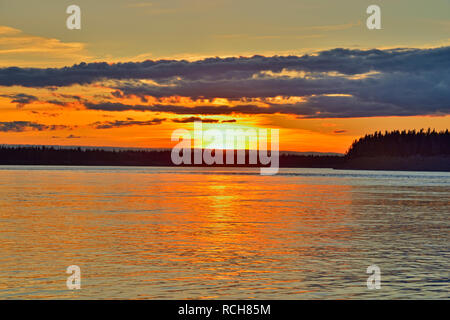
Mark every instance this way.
x=188 y=233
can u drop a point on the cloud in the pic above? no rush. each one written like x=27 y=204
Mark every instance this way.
x=345 y=61
x=126 y=123
x=183 y=110
x=313 y=107
x=21 y=126
x=335 y=83
x=20 y=48
x=193 y=119
x=21 y=99
x=238 y=88
x=73 y=137
x=5 y=30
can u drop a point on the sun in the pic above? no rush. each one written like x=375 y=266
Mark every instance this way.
x=229 y=136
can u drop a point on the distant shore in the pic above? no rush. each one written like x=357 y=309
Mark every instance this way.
x=414 y=163
x=95 y=157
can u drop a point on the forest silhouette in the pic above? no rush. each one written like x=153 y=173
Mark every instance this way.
x=402 y=144
x=395 y=150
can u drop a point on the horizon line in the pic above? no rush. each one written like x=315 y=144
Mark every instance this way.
x=111 y=148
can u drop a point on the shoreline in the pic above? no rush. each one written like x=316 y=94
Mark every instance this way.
x=49 y=156
x=345 y=168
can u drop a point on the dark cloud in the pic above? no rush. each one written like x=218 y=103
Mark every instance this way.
x=334 y=83
x=21 y=99
x=248 y=88
x=126 y=123
x=117 y=94
x=193 y=119
x=345 y=61
x=44 y=113
x=322 y=106
x=182 y=110
x=58 y=102
x=21 y=126
x=69 y=96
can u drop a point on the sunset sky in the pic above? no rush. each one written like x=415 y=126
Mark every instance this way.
x=138 y=70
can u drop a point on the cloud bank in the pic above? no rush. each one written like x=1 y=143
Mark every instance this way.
x=21 y=126
x=337 y=83
x=126 y=123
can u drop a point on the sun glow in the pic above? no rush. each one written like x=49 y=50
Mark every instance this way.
x=226 y=136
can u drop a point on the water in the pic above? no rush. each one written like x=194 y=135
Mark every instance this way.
x=184 y=233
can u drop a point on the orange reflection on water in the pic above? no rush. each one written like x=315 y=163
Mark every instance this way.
x=184 y=233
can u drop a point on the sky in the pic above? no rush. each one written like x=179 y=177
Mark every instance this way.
x=138 y=70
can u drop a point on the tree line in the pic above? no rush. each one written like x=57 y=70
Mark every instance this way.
x=411 y=146
x=404 y=143
x=51 y=155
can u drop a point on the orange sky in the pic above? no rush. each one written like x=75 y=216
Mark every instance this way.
x=58 y=115
x=322 y=135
